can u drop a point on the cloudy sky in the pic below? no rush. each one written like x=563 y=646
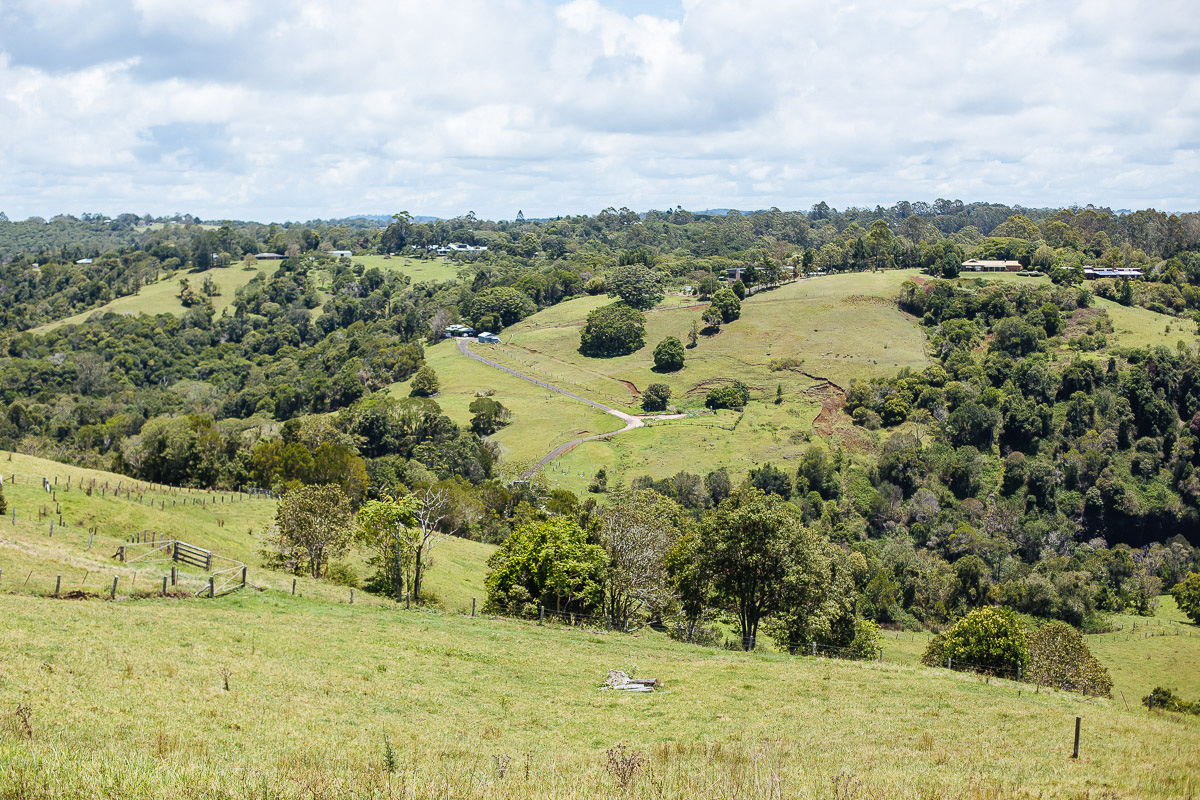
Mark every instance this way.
x=293 y=109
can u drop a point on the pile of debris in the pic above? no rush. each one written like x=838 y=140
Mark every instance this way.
x=621 y=682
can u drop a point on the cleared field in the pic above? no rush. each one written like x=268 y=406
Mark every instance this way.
x=1140 y=327
x=820 y=321
x=419 y=269
x=1162 y=650
x=269 y=696
x=163 y=297
x=738 y=442
x=542 y=420
x=31 y=557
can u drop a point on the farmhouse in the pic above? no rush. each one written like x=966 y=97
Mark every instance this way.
x=459 y=331
x=269 y=257
x=340 y=253
x=1091 y=273
x=84 y=261
x=489 y=338
x=976 y=265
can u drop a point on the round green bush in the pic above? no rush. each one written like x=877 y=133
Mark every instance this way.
x=1059 y=657
x=669 y=355
x=613 y=330
x=988 y=640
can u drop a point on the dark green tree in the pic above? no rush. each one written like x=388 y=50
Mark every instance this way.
x=613 y=330
x=669 y=355
x=637 y=285
x=656 y=396
x=424 y=383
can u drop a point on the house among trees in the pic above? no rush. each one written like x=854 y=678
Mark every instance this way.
x=340 y=253
x=458 y=331
x=976 y=265
x=489 y=338
x=1091 y=273
x=269 y=257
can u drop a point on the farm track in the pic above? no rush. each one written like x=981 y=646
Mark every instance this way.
x=631 y=421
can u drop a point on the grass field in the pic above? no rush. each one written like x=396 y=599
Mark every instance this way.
x=819 y=321
x=542 y=420
x=129 y=700
x=419 y=269
x=228 y=524
x=163 y=297
x=1140 y=327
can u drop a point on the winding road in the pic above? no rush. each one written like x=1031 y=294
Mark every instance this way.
x=630 y=420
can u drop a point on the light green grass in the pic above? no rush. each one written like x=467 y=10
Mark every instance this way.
x=163 y=297
x=766 y=432
x=128 y=700
x=226 y=523
x=822 y=321
x=1163 y=650
x=419 y=269
x=542 y=420
x=1140 y=327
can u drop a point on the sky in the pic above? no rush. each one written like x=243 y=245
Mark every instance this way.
x=299 y=109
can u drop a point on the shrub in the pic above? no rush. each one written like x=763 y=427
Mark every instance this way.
x=988 y=639
x=669 y=355
x=1187 y=596
x=734 y=396
x=342 y=574
x=739 y=289
x=1058 y=657
x=613 y=330
x=771 y=480
x=425 y=383
x=868 y=640
x=1167 y=700
x=727 y=304
x=547 y=562
x=656 y=396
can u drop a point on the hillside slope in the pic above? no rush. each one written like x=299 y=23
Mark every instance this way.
x=229 y=524
x=265 y=695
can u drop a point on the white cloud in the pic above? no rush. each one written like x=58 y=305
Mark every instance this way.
x=301 y=108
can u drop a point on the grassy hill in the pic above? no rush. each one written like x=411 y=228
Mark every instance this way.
x=230 y=525
x=163 y=297
x=419 y=269
x=129 y=699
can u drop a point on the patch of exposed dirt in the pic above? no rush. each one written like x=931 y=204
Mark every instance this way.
x=633 y=390
x=832 y=415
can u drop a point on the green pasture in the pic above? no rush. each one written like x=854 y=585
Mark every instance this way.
x=542 y=419
x=229 y=524
x=696 y=444
x=163 y=297
x=821 y=321
x=269 y=696
x=1140 y=327
x=419 y=269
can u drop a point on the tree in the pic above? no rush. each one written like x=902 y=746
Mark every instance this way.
x=431 y=512
x=669 y=355
x=637 y=285
x=727 y=304
x=638 y=531
x=718 y=485
x=655 y=397
x=489 y=416
x=772 y=480
x=757 y=552
x=734 y=396
x=1058 y=657
x=499 y=307
x=1187 y=596
x=694 y=331
x=424 y=383
x=546 y=562
x=316 y=521
x=438 y=323
x=989 y=639
x=613 y=330
x=383 y=526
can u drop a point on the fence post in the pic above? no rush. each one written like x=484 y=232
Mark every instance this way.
x=472 y=606
x=293 y=587
x=1018 y=673
x=1075 y=754
x=164 y=589
x=208 y=561
x=407 y=601
x=244 y=579
x=90 y=535
x=814 y=647
x=541 y=613
x=174 y=575
x=113 y=595
x=57 y=585
x=51 y=528
x=351 y=596
x=211 y=587
x=122 y=554
x=949 y=661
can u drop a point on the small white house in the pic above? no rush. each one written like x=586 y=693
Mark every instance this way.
x=488 y=338
x=340 y=253
x=84 y=261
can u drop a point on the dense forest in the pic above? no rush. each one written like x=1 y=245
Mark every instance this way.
x=1059 y=486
